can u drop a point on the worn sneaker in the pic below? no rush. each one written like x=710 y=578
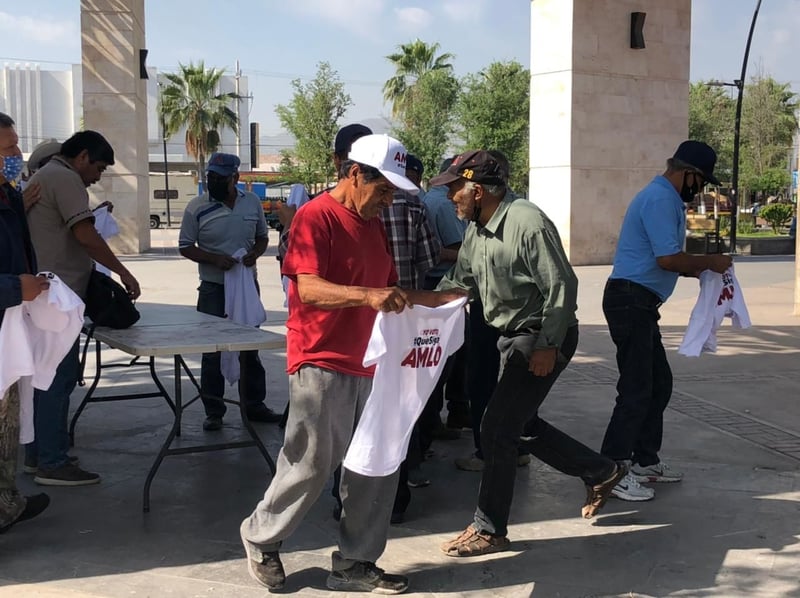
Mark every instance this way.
x=212 y=423
x=265 y=567
x=31 y=467
x=629 y=488
x=471 y=542
x=660 y=472
x=66 y=475
x=597 y=495
x=366 y=577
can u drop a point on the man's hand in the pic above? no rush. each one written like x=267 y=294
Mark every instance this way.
x=131 y=285
x=249 y=259
x=32 y=286
x=543 y=361
x=224 y=262
x=719 y=262
x=389 y=299
x=31 y=194
x=105 y=204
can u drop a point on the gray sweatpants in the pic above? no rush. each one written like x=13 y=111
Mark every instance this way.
x=325 y=408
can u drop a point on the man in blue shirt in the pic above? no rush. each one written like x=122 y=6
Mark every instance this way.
x=647 y=264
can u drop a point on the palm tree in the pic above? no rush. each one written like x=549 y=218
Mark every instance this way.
x=190 y=100
x=411 y=62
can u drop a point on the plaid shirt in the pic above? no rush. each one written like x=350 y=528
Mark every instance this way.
x=412 y=241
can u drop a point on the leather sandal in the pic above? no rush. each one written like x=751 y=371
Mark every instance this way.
x=471 y=542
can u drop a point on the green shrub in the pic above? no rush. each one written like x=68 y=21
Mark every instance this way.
x=777 y=215
x=746 y=224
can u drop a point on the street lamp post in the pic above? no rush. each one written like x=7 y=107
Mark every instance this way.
x=739 y=85
x=166 y=164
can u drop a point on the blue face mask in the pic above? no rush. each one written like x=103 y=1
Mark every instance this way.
x=12 y=168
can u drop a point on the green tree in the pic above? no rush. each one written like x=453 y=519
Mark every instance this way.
x=312 y=117
x=777 y=215
x=427 y=123
x=493 y=113
x=768 y=125
x=191 y=99
x=413 y=60
x=711 y=120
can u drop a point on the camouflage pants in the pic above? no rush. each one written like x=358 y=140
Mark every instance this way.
x=11 y=502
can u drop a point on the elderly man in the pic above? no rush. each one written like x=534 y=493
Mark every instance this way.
x=647 y=264
x=18 y=283
x=513 y=259
x=341 y=274
x=216 y=225
x=67 y=244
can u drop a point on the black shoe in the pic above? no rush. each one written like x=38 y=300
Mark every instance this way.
x=366 y=577
x=268 y=570
x=66 y=475
x=34 y=505
x=212 y=423
x=264 y=414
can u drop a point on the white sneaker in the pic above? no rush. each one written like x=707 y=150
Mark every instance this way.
x=660 y=472
x=631 y=490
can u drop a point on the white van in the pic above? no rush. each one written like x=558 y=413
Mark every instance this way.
x=182 y=188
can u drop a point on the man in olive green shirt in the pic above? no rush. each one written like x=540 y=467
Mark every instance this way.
x=512 y=258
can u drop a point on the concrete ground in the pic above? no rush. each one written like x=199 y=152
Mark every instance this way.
x=729 y=529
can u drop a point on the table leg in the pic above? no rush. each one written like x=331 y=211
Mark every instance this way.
x=87 y=397
x=176 y=429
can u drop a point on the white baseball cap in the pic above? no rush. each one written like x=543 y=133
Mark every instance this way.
x=386 y=154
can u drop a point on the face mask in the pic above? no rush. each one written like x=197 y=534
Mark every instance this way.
x=12 y=168
x=688 y=192
x=218 y=190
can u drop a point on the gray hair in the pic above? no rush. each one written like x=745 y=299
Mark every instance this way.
x=493 y=190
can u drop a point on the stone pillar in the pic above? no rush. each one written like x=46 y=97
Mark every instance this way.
x=115 y=105
x=604 y=117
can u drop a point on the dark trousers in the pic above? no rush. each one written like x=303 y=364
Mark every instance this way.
x=253 y=382
x=516 y=400
x=483 y=368
x=645 y=379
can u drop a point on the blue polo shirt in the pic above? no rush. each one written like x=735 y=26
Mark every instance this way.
x=654 y=226
x=447 y=226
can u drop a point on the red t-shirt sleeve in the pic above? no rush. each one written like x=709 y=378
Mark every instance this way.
x=309 y=245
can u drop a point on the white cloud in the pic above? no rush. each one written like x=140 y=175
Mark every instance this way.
x=358 y=16
x=464 y=11
x=413 y=18
x=39 y=30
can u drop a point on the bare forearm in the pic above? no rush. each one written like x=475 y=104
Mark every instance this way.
x=693 y=265
x=260 y=246
x=448 y=255
x=324 y=294
x=97 y=248
x=200 y=256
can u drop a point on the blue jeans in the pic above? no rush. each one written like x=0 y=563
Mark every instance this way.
x=51 y=415
x=252 y=383
x=511 y=420
x=645 y=378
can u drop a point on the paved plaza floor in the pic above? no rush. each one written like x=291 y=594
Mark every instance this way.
x=730 y=529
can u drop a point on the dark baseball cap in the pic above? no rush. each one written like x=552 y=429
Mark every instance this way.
x=223 y=164
x=700 y=156
x=347 y=135
x=414 y=163
x=478 y=166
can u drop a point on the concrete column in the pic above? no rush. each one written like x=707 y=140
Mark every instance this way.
x=115 y=105
x=604 y=117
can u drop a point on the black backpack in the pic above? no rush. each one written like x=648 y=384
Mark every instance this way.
x=108 y=303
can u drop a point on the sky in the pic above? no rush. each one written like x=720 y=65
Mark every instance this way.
x=277 y=41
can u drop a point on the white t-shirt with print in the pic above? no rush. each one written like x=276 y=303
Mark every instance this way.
x=409 y=351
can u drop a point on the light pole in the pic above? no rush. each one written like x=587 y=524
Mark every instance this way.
x=166 y=165
x=739 y=85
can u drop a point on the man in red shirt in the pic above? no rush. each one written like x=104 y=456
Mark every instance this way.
x=341 y=273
